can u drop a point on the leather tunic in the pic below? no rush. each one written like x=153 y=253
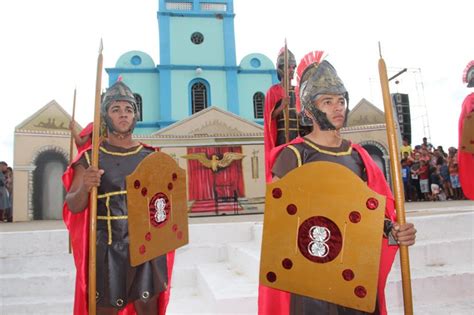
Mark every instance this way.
x=118 y=283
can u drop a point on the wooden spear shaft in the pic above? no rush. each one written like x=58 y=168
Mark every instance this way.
x=396 y=183
x=71 y=151
x=71 y=143
x=286 y=85
x=93 y=195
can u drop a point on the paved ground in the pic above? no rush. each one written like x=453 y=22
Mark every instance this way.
x=412 y=209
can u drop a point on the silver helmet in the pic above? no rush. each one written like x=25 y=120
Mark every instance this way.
x=317 y=79
x=119 y=91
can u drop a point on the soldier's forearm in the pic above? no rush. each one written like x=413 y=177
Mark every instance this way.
x=77 y=200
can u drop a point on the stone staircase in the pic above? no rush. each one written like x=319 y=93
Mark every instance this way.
x=217 y=273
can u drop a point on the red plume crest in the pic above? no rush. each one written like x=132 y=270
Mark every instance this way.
x=466 y=70
x=308 y=59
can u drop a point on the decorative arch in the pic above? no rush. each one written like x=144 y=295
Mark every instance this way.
x=258 y=103
x=375 y=148
x=34 y=160
x=199 y=95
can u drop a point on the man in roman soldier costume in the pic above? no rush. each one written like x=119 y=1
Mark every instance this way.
x=466 y=136
x=324 y=103
x=274 y=112
x=121 y=288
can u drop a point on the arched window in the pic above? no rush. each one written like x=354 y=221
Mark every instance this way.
x=198 y=97
x=138 y=98
x=258 y=101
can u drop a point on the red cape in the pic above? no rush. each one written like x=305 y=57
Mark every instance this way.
x=78 y=226
x=466 y=159
x=274 y=94
x=276 y=302
x=87 y=131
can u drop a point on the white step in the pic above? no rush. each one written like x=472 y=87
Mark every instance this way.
x=37 y=306
x=60 y=262
x=227 y=288
x=461 y=307
x=201 y=253
x=246 y=257
x=33 y=243
x=439 y=253
x=440 y=284
x=60 y=284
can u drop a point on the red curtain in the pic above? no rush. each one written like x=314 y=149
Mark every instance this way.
x=202 y=180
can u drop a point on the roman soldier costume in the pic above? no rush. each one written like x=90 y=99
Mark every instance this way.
x=466 y=136
x=118 y=283
x=274 y=129
x=316 y=78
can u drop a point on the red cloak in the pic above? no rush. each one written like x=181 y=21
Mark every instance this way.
x=466 y=159
x=78 y=226
x=274 y=94
x=275 y=302
x=87 y=131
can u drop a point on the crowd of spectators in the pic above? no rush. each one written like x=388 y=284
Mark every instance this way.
x=429 y=173
x=6 y=192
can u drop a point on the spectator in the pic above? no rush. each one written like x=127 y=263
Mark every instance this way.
x=441 y=150
x=424 y=174
x=428 y=145
x=415 y=181
x=435 y=180
x=9 y=185
x=454 y=173
x=4 y=200
x=445 y=181
x=405 y=147
x=406 y=178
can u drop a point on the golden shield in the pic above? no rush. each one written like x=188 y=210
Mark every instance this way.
x=467 y=134
x=157 y=208
x=322 y=236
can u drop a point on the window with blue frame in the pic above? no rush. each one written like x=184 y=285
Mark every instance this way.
x=258 y=103
x=198 y=97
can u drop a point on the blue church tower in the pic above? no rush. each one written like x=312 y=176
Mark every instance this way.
x=197 y=67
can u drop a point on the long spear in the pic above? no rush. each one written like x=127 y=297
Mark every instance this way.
x=71 y=142
x=396 y=183
x=286 y=86
x=71 y=149
x=93 y=195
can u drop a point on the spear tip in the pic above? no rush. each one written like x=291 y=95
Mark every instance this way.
x=380 y=50
x=101 y=47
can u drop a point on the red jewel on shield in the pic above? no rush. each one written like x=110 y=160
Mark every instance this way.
x=372 y=203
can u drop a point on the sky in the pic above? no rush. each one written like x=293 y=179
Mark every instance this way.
x=50 y=47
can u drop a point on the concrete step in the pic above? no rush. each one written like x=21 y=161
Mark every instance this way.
x=454 y=308
x=439 y=253
x=60 y=262
x=227 y=288
x=57 y=284
x=245 y=256
x=442 y=227
x=440 y=284
x=33 y=243
x=200 y=253
x=37 y=306
x=220 y=233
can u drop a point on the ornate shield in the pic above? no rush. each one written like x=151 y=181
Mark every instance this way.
x=322 y=236
x=467 y=137
x=157 y=208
